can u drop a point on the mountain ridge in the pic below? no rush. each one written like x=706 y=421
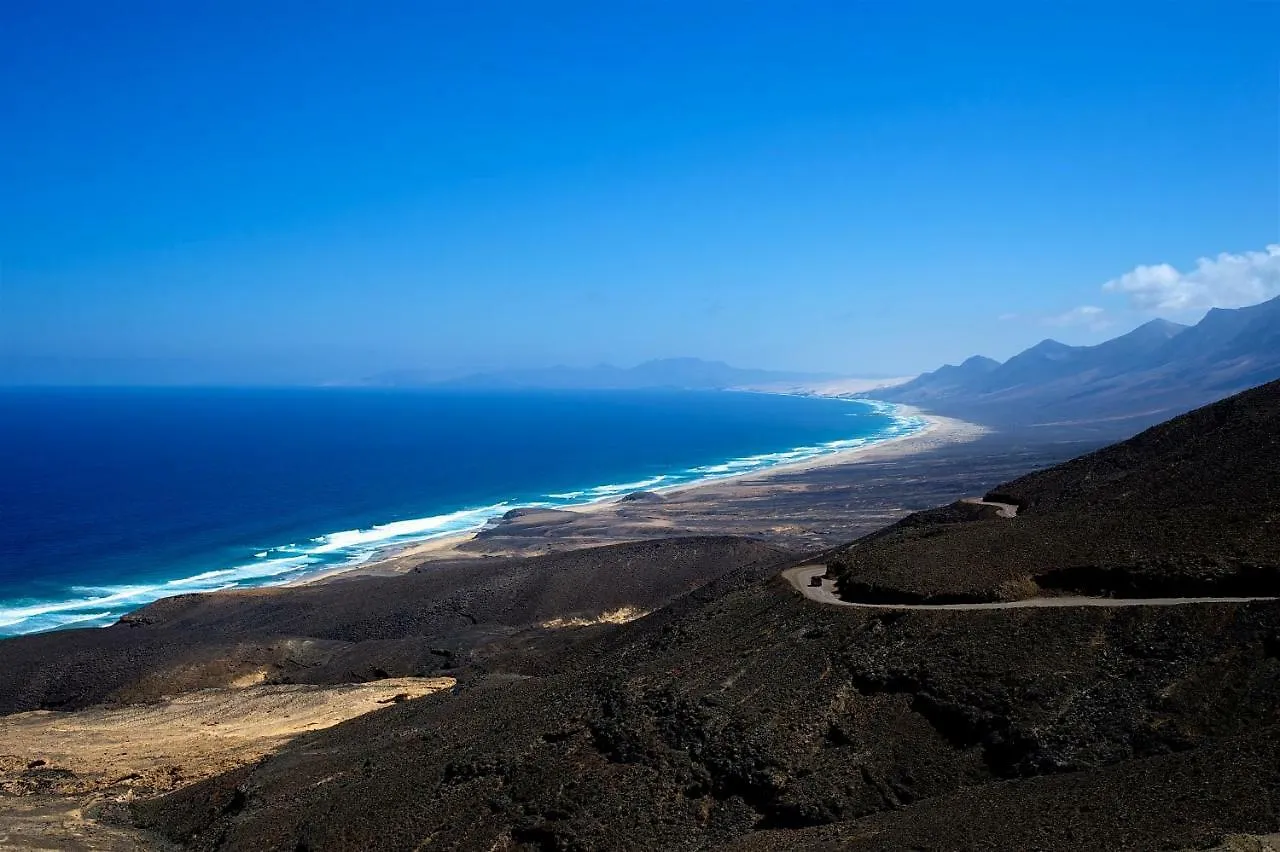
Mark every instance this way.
x=1154 y=371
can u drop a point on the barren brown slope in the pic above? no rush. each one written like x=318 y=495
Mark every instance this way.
x=446 y=619
x=1187 y=508
x=758 y=713
x=744 y=714
x=64 y=776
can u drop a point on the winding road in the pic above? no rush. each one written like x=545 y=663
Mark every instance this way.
x=802 y=575
x=1004 y=510
x=801 y=579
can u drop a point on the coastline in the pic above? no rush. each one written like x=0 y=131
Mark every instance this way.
x=399 y=546
x=936 y=432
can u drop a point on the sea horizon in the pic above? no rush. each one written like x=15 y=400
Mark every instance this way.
x=208 y=554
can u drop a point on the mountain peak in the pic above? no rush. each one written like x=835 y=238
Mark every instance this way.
x=1160 y=326
x=1049 y=347
x=1152 y=333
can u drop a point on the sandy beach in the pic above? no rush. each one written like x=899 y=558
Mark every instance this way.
x=793 y=504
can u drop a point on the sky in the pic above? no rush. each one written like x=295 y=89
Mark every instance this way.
x=299 y=192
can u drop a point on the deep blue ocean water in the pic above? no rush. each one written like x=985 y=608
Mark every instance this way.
x=113 y=498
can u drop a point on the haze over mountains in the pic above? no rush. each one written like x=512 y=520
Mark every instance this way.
x=681 y=373
x=1158 y=369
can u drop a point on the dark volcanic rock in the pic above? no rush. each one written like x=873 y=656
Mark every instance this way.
x=642 y=497
x=1187 y=508
x=754 y=712
x=448 y=618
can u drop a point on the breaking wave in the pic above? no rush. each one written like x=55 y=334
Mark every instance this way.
x=86 y=606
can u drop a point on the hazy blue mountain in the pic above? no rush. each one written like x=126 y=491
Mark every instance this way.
x=1046 y=362
x=945 y=381
x=1217 y=330
x=1129 y=351
x=1158 y=369
x=1227 y=335
x=682 y=373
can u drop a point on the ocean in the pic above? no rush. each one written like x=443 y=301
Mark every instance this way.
x=111 y=498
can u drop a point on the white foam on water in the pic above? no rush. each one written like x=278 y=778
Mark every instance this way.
x=99 y=606
x=598 y=492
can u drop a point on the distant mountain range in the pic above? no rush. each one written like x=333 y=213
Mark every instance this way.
x=1157 y=370
x=676 y=373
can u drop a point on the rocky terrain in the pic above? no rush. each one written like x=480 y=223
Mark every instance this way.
x=744 y=715
x=755 y=715
x=1191 y=507
x=716 y=707
x=429 y=623
x=196 y=686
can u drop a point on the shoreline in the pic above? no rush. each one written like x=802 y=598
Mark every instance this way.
x=935 y=432
x=376 y=561
x=396 y=557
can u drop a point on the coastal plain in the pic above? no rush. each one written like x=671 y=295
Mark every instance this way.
x=803 y=506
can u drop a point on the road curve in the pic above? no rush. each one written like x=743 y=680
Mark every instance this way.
x=800 y=577
x=1004 y=510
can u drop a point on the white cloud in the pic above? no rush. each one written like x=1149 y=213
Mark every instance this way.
x=1225 y=281
x=1090 y=316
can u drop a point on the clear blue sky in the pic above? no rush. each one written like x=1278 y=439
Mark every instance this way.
x=297 y=191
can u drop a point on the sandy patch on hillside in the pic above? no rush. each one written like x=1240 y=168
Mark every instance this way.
x=58 y=769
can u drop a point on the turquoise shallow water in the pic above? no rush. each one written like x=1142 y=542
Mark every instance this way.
x=113 y=498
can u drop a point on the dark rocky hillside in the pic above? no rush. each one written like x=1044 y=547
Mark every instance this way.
x=742 y=715
x=1190 y=507
x=756 y=715
x=445 y=619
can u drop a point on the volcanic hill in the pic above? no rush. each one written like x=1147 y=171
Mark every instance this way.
x=742 y=715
